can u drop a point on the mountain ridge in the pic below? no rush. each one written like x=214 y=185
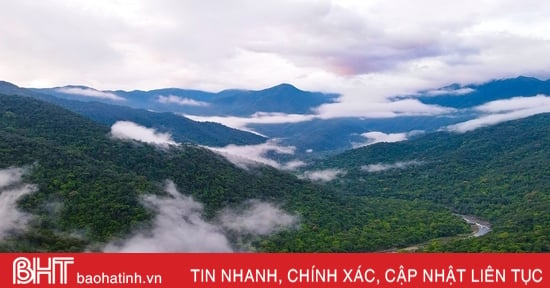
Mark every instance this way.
x=489 y=91
x=182 y=128
x=284 y=98
x=313 y=135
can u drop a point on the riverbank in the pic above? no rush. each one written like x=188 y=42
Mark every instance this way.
x=479 y=228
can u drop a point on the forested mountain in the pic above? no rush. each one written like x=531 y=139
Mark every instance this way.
x=283 y=98
x=477 y=94
x=500 y=173
x=90 y=189
x=181 y=128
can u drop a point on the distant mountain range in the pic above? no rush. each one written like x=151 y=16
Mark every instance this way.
x=468 y=96
x=311 y=136
x=283 y=98
x=339 y=134
x=181 y=128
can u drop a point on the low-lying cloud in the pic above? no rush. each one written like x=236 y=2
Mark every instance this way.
x=374 y=137
x=10 y=176
x=515 y=104
x=11 y=190
x=259 y=219
x=180 y=227
x=448 y=91
x=325 y=175
x=244 y=156
x=88 y=92
x=172 y=99
x=379 y=167
x=499 y=111
x=293 y=165
x=242 y=123
x=377 y=137
x=132 y=131
x=383 y=108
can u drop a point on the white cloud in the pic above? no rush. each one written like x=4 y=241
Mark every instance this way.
x=242 y=123
x=249 y=155
x=133 y=131
x=446 y=91
x=276 y=117
x=90 y=93
x=293 y=165
x=374 y=137
x=172 y=99
x=325 y=175
x=514 y=104
x=355 y=107
x=259 y=219
x=10 y=176
x=179 y=226
x=383 y=167
x=504 y=110
x=11 y=190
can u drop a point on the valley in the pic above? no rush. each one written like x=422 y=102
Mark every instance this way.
x=132 y=176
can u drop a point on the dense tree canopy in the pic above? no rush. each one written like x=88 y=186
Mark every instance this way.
x=499 y=173
x=90 y=187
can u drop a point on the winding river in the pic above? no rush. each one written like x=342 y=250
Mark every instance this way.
x=482 y=227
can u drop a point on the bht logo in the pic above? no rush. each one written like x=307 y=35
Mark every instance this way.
x=27 y=271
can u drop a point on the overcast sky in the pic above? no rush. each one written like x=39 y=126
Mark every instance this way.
x=364 y=49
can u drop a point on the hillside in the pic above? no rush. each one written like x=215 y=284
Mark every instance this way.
x=500 y=173
x=92 y=189
x=477 y=94
x=181 y=128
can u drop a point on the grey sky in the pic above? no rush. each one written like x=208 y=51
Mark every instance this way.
x=365 y=49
